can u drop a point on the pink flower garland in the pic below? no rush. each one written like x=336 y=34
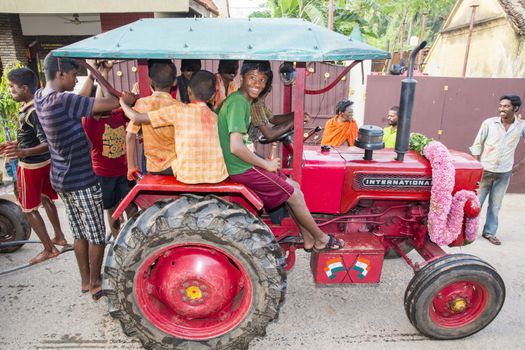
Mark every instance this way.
x=446 y=213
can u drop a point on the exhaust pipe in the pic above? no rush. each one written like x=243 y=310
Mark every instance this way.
x=406 y=104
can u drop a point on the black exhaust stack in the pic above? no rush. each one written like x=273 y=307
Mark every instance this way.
x=406 y=104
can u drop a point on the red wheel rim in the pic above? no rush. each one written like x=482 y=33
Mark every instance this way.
x=195 y=292
x=458 y=304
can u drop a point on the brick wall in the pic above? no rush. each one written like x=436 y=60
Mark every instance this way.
x=12 y=43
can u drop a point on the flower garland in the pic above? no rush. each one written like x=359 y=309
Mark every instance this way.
x=446 y=212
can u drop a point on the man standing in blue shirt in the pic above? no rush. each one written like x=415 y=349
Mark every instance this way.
x=60 y=114
x=494 y=146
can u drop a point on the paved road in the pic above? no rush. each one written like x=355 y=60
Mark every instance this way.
x=42 y=307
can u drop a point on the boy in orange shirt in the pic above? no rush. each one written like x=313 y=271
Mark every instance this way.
x=199 y=155
x=159 y=144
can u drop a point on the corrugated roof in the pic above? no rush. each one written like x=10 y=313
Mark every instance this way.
x=218 y=38
x=515 y=9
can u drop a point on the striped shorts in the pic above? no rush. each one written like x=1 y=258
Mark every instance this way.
x=85 y=212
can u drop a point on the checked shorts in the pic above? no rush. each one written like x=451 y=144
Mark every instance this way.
x=85 y=212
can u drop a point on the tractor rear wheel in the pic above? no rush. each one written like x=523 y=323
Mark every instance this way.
x=13 y=225
x=195 y=273
x=454 y=296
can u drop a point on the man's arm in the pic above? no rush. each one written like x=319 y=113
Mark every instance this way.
x=130 y=154
x=134 y=116
x=238 y=148
x=272 y=132
x=281 y=118
x=477 y=146
x=12 y=151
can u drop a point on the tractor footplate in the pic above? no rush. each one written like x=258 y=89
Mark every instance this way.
x=359 y=261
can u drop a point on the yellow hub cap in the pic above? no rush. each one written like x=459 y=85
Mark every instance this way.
x=458 y=305
x=194 y=292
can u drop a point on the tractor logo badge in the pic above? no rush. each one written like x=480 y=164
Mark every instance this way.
x=333 y=266
x=404 y=182
x=362 y=266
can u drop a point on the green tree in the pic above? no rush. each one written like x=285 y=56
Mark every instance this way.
x=380 y=20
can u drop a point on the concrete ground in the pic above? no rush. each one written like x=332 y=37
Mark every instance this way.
x=42 y=308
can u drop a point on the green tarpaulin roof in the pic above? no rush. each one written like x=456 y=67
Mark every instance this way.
x=214 y=38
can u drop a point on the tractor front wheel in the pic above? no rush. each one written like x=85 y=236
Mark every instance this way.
x=454 y=296
x=197 y=273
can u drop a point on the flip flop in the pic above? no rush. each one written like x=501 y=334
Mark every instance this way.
x=66 y=248
x=492 y=239
x=98 y=295
x=332 y=244
x=84 y=291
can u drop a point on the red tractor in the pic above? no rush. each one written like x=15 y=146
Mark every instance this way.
x=204 y=266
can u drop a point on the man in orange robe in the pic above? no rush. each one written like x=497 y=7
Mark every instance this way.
x=342 y=127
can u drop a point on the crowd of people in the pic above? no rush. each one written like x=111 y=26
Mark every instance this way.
x=197 y=126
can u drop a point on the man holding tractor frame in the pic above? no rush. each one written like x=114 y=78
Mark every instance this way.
x=258 y=174
x=60 y=114
x=34 y=186
x=494 y=146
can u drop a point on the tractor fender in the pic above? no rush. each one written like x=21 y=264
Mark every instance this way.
x=152 y=188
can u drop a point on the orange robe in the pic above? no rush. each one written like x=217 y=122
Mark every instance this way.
x=336 y=133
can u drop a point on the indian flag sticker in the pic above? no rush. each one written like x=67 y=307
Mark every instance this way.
x=362 y=266
x=333 y=266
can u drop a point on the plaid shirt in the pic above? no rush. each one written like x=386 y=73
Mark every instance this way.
x=260 y=115
x=159 y=145
x=199 y=153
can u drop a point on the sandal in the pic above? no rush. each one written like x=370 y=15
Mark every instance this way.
x=492 y=239
x=98 y=295
x=332 y=244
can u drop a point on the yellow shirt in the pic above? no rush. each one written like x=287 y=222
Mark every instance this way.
x=389 y=136
x=159 y=144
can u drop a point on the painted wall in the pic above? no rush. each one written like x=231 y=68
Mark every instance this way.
x=496 y=50
x=92 y=6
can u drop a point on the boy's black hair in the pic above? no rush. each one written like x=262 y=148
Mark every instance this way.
x=162 y=73
x=228 y=66
x=395 y=109
x=202 y=85
x=514 y=100
x=190 y=65
x=53 y=65
x=342 y=106
x=24 y=76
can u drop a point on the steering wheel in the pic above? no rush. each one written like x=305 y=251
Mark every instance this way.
x=283 y=138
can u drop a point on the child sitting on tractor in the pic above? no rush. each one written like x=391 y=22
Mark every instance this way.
x=198 y=152
x=159 y=145
x=342 y=127
x=258 y=174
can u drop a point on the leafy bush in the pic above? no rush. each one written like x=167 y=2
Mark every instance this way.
x=8 y=107
x=418 y=142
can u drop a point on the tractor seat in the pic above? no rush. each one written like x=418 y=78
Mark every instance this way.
x=163 y=183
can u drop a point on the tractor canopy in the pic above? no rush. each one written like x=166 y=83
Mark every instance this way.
x=217 y=38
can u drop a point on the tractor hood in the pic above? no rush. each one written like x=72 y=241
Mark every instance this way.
x=335 y=181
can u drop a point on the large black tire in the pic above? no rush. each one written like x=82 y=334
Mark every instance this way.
x=454 y=296
x=405 y=247
x=187 y=221
x=13 y=225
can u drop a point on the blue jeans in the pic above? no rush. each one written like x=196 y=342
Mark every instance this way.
x=494 y=185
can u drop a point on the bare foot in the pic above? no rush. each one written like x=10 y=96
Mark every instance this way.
x=44 y=255
x=60 y=242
